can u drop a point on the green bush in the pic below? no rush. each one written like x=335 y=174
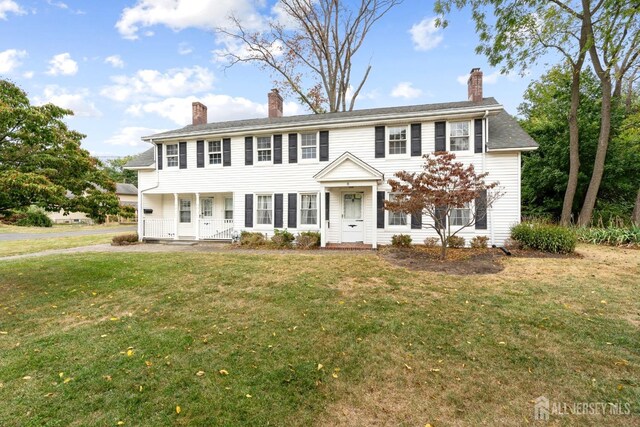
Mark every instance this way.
x=308 y=240
x=282 y=239
x=251 y=238
x=480 y=242
x=545 y=237
x=401 y=240
x=614 y=236
x=124 y=239
x=35 y=217
x=432 y=242
x=455 y=242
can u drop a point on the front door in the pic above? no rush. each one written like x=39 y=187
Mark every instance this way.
x=206 y=218
x=352 y=217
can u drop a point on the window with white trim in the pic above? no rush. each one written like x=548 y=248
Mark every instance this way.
x=460 y=216
x=396 y=218
x=185 y=210
x=264 y=209
x=264 y=148
x=172 y=155
x=308 y=209
x=215 y=152
x=228 y=208
x=397 y=140
x=308 y=146
x=458 y=136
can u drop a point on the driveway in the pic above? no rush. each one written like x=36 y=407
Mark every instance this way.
x=6 y=237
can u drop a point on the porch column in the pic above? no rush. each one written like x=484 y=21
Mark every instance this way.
x=323 y=222
x=140 y=216
x=197 y=213
x=374 y=214
x=176 y=216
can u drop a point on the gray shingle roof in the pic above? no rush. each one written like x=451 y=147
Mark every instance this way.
x=142 y=160
x=505 y=132
x=123 y=188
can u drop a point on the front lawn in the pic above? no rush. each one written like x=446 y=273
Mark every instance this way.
x=57 y=228
x=19 y=247
x=314 y=339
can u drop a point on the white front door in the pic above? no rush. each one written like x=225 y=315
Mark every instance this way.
x=206 y=218
x=352 y=217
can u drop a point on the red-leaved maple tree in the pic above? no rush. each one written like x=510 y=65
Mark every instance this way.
x=442 y=186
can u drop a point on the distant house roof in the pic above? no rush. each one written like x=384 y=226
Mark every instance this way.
x=129 y=189
x=506 y=133
x=142 y=160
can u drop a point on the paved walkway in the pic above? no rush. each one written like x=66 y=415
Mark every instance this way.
x=8 y=237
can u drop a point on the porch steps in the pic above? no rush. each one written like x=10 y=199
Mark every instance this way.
x=348 y=247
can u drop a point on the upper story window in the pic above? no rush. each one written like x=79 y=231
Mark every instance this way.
x=172 y=155
x=308 y=209
x=458 y=136
x=215 y=152
x=396 y=218
x=398 y=140
x=264 y=149
x=308 y=146
x=264 y=210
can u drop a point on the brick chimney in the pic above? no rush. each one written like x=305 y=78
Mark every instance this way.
x=275 y=104
x=474 y=85
x=199 y=113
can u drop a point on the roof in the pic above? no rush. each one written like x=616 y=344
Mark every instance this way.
x=142 y=160
x=506 y=133
x=123 y=188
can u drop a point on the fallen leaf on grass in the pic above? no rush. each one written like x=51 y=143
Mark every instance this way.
x=178 y=409
x=408 y=367
x=248 y=395
x=120 y=423
x=320 y=366
x=27 y=377
x=129 y=353
x=67 y=380
x=223 y=372
x=148 y=363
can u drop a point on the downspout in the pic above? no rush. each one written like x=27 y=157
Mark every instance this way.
x=140 y=198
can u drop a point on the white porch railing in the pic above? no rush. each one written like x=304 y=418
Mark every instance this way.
x=216 y=229
x=159 y=228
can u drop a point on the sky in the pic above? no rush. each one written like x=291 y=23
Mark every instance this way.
x=132 y=68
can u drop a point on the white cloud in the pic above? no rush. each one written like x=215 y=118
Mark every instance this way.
x=10 y=59
x=184 y=49
x=425 y=34
x=181 y=14
x=28 y=74
x=57 y=4
x=62 y=64
x=77 y=100
x=405 y=90
x=115 y=61
x=147 y=84
x=130 y=136
x=489 y=79
x=10 y=6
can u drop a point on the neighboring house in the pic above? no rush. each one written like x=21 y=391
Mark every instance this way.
x=127 y=194
x=325 y=172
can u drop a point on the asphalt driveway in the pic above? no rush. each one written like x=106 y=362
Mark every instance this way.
x=32 y=236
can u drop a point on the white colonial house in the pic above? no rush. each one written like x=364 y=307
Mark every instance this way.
x=324 y=172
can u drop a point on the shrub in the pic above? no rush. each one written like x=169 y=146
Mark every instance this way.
x=124 y=239
x=480 y=242
x=455 y=242
x=432 y=242
x=545 y=237
x=250 y=238
x=282 y=239
x=401 y=240
x=615 y=236
x=35 y=217
x=308 y=240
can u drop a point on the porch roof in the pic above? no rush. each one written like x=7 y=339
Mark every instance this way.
x=348 y=167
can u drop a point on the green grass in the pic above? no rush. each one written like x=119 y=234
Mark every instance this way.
x=406 y=348
x=57 y=228
x=19 y=247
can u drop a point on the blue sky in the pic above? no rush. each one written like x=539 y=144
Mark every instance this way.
x=131 y=68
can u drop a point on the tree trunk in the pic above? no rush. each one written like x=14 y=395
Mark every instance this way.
x=443 y=250
x=635 y=217
x=603 y=143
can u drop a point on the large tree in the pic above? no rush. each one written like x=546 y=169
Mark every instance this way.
x=310 y=49
x=114 y=168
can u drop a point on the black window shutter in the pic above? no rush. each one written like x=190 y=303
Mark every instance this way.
x=478 y=136
x=481 y=210
x=182 y=154
x=324 y=145
x=293 y=148
x=200 y=154
x=380 y=209
x=416 y=221
x=277 y=149
x=379 y=141
x=441 y=218
x=292 y=209
x=248 y=150
x=226 y=152
x=416 y=139
x=160 y=147
x=441 y=136
x=248 y=210
x=278 y=207
x=327 y=199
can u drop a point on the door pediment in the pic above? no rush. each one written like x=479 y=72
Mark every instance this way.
x=348 y=167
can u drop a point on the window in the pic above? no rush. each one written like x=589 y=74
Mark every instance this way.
x=308 y=146
x=228 y=208
x=215 y=153
x=264 y=210
x=460 y=216
x=398 y=140
x=207 y=208
x=396 y=218
x=172 y=155
x=459 y=136
x=308 y=209
x=185 y=210
x=264 y=148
